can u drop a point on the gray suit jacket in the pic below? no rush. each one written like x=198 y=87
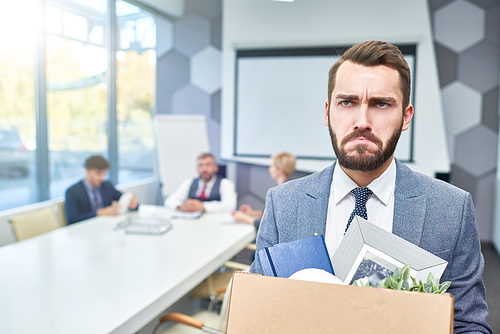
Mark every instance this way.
x=431 y=214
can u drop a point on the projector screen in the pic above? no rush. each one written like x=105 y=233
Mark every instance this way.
x=280 y=102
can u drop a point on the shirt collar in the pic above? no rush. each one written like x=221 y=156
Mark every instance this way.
x=382 y=186
x=210 y=183
x=89 y=186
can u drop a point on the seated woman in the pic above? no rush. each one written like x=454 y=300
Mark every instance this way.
x=281 y=169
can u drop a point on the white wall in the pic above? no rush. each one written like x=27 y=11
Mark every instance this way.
x=307 y=23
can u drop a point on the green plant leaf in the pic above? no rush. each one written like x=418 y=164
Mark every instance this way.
x=414 y=281
x=405 y=272
x=396 y=275
x=444 y=286
x=435 y=285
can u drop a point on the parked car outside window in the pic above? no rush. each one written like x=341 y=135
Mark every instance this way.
x=14 y=158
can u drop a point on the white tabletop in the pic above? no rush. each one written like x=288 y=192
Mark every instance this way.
x=90 y=278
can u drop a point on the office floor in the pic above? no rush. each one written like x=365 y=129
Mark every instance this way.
x=491 y=280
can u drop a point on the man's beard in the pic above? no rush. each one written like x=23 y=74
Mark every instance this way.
x=359 y=162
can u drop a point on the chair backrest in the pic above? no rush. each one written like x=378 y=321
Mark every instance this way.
x=34 y=223
x=61 y=213
x=224 y=308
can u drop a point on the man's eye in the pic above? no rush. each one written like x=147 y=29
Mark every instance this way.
x=346 y=103
x=382 y=105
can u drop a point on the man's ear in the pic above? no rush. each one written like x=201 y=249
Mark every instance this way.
x=327 y=110
x=407 y=117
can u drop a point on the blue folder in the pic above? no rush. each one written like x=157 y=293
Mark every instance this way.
x=283 y=260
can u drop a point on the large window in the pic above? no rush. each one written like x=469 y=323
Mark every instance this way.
x=17 y=103
x=77 y=107
x=136 y=91
x=73 y=88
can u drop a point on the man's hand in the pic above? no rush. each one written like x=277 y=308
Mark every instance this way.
x=111 y=210
x=191 y=205
x=133 y=203
x=246 y=209
x=243 y=217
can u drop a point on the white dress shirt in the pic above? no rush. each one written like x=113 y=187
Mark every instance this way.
x=380 y=205
x=227 y=195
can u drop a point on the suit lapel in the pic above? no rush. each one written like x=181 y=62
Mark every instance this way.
x=85 y=198
x=313 y=207
x=409 y=205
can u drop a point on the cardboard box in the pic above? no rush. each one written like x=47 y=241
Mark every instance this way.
x=262 y=304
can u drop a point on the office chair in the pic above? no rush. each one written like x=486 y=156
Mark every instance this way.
x=209 y=287
x=34 y=223
x=204 y=321
x=61 y=213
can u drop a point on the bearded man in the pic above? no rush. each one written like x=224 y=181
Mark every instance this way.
x=367 y=109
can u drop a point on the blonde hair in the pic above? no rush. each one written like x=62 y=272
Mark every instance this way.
x=284 y=161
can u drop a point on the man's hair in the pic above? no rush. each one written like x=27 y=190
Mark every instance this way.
x=97 y=162
x=284 y=161
x=373 y=53
x=206 y=155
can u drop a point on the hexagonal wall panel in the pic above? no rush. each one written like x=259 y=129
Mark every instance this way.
x=447 y=64
x=463 y=180
x=192 y=33
x=189 y=100
x=216 y=106
x=434 y=4
x=479 y=66
x=483 y=3
x=490 y=109
x=492 y=24
x=459 y=25
x=462 y=107
x=206 y=69
x=216 y=35
x=476 y=150
x=213 y=128
x=252 y=200
x=242 y=184
x=164 y=102
x=260 y=180
x=165 y=36
x=451 y=147
x=173 y=72
x=483 y=204
x=209 y=8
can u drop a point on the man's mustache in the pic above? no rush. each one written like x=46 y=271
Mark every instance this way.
x=361 y=133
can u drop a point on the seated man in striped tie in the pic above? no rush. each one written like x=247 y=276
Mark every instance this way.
x=209 y=192
x=93 y=196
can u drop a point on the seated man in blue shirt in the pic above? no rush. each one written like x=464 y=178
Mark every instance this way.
x=93 y=196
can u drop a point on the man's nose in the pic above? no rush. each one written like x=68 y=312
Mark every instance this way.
x=362 y=120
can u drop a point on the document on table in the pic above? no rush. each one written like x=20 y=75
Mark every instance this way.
x=145 y=225
x=187 y=215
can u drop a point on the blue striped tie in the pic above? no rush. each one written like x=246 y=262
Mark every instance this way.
x=361 y=195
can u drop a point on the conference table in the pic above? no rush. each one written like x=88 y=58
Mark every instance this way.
x=92 y=277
